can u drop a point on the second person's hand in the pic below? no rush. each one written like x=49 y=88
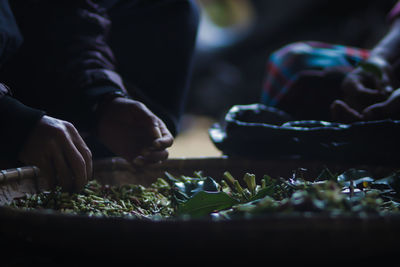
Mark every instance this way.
x=367 y=84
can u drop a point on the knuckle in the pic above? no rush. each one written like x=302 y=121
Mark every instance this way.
x=89 y=153
x=80 y=168
x=86 y=151
x=165 y=155
x=66 y=123
x=59 y=132
x=69 y=126
x=153 y=121
x=139 y=104
x=82 y=164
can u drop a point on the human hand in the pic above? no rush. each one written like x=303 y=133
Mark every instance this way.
x=367 y=84
x=60 y=153
x=388 y=109
x=129 y=129
x=343 y=112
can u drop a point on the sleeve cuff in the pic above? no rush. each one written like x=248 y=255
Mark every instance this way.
x=16 y=122
x=93 y=96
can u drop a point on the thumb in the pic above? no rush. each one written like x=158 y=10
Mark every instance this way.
x=374 y=112
x=384 y=110
x=342 y=112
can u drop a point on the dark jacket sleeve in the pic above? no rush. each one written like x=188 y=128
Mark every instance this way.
x=16 y=123
x=81 y=59
x=16 y=119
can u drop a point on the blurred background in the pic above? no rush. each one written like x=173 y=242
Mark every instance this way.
x=235 y=39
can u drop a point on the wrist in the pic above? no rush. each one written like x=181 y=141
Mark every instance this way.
x=106 y=99
x=104 y=102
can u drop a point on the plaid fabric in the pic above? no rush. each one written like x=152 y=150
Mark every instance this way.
x=285 y=66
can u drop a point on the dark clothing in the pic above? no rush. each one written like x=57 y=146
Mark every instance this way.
x=153 y=43
x=71 y=56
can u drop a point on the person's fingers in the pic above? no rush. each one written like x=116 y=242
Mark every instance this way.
x=64 y=174
x=151 y=158
x=83 y=150
x=155 y=156
x=386 y=85
x=361 y=89
x=357 y=89
x=359 y=93
x=87 y=156
x=77 y=164
x=73 y=157
x=165 y=140
x=156 y=131
x=48 y=171
x=363 y=97
x=390 y=108
x=342 y=112
x=162 y=143
x=388 y=89
x=374 y=112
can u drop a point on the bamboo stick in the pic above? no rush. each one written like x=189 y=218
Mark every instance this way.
x=18 y=174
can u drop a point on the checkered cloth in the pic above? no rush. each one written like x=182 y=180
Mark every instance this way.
x=286 y=66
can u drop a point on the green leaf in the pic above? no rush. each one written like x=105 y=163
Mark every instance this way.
x=266 y=191
x=203 y=203
x=352 y=175
x=359 y=182
x=326 y=174
x=184 y=187
x=191 y=187
x=372 y=68
x=393 y=181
